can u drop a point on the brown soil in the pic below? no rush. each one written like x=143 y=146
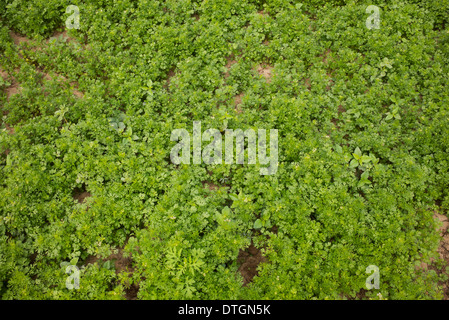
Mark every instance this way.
x=330 y=83
x=3 y=73
x=81 y=196
x=249 y=259
x=61 y=79
x=18 y=38
x=33 y=257
x=325 y=55
x=230 y=61
x=124 y=264
x=171 y=74
x=67 y=38
x=13 y=88
x=9 y=128
x=443 y=251
x=341 y=109
x=238 y=102
x=210 y=185
x=265 y=71
x=444 y=245
x=77 y=93
x=64 y=35
x=335 y=121
x=131 y=293
x=91 y=260
x=361 y=295
x=121 y=264
x=74 y=86
x=307 y=83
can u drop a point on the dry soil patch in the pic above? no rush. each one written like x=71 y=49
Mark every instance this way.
x=265 y=71
x=249 y=259
x=238 y=102
x=17 y=38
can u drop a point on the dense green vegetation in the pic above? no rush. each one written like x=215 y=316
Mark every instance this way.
x=363 y=121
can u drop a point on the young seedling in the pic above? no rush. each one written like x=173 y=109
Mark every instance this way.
x=364 y=163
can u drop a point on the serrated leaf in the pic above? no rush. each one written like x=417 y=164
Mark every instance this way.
x=353 y=163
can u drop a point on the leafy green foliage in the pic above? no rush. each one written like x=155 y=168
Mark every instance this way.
x=34 y=18
x=363 y=129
